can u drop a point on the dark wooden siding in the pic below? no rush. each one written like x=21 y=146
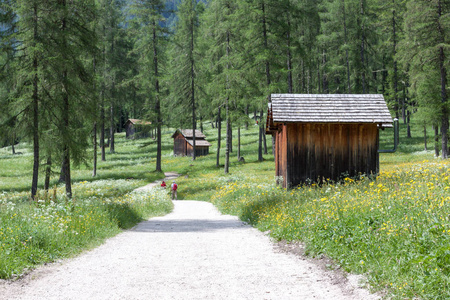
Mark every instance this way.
x=129 y=127
x=281 y=153
x=179 y=145
x=189 y=149
x=312 y=152
x=199 y=150
x=136 y=131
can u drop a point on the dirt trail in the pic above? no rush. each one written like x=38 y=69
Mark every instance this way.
x=169 y=177
x=193 y=253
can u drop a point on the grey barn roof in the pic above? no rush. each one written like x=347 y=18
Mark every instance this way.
x=138 y=122
x=188 y=133
x=198 y=143
x=330 y=108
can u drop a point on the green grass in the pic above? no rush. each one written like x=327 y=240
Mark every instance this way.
x=395 y=229
x=32 y=233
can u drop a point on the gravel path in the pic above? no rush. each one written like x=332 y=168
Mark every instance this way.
x=192 y=253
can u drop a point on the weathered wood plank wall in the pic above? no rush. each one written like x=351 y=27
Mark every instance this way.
x=317 y=151
x=179 y=145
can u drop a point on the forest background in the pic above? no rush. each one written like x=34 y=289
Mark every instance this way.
x=72 y=72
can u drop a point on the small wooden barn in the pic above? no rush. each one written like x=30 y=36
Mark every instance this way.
x=321 y=137
x=183 y=144
x=136 y=128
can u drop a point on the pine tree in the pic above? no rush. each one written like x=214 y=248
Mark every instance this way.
x=335 y=36
x=8 y=122
x=149 y=40
x=221 y=33
x=424 y=51
x=68 y=79
x=351 y=64
x=184 y=64
x=30 y=62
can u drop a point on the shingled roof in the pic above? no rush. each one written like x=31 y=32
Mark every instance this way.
x=200 y=143
x=138 y=122
x=188 y=133
x=330 y=108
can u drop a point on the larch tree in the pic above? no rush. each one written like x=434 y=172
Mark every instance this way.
x=150 y=39
x=184 y=58
x=335 y=36
x=8 y=21
x=226 y=52
x=259 y=57
x=69 y=77
x=424 y=50
x=30 y=61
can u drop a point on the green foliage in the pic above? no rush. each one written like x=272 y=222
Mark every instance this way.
x=183 y=66
x=52 y=227
x=244 y=50
x=328 y=219
x=393 y=229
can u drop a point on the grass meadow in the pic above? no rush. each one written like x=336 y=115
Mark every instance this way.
x=395 y=228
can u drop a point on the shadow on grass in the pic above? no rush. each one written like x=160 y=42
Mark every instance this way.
x=123 y=215
x=122 y=164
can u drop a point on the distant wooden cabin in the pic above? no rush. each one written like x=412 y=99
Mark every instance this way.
x=325 y=136
x=136 y=128
x=183 y=144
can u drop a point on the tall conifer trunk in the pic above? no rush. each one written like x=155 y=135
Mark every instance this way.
x=394 y=45
x=443 y=72
x=246 y=116
x=35 y=109
x=102 y=129
x=102 y=103
x=425 y=136
x=157 y=104
x=94 y=131
x=347 y=62
x=239 y=143
x=13 y=142
x=436 y=140
x=219 y=137
x=66 y=149
x=191 y=53
x=289 y=55
x=65 y=109
x=48 y=172
x=362 y=50
x=112 y=127
x=94 y=141
x=227 y=140
x=261 y=138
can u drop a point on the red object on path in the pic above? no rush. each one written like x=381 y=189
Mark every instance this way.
x=163 y=184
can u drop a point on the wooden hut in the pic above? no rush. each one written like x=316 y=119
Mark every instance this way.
x=136 y=128
x=321 y=137
x=183 y=144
